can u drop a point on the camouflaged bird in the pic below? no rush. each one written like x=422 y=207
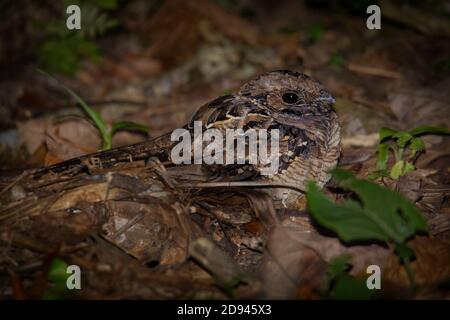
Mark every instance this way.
x=298 y=106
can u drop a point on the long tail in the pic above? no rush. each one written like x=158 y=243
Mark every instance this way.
x=158 y=147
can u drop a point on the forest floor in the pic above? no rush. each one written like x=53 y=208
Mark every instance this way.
x=157 y=71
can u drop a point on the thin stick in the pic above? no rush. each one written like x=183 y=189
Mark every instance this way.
x=16 y=180
x=374 y=71
x=255 y=184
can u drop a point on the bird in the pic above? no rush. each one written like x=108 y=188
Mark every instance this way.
x=299 y=107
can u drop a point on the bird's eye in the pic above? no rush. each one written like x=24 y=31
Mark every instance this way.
x=290 y=98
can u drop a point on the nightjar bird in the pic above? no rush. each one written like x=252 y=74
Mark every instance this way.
x=309 y=133
x=295 y=104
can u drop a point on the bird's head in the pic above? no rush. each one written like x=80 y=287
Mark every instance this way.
x=289 y=93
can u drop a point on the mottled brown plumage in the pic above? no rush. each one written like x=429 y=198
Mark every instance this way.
x=309 y=129
x=298 y=106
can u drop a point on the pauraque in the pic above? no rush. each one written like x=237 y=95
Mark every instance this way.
x=295 y=104
x=301 y=109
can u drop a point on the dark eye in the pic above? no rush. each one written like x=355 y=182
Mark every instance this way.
x=289 y=98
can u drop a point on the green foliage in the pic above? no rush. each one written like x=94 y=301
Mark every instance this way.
x=62 y=55
x=127 y=125
x=378 y=214
x=398 y=142
x=343 y=286
x=105 y=4
x=337 y=60
x=95 y=22
x=315 y=32
x=106 y=133
x=57 y=278
x=63 y=49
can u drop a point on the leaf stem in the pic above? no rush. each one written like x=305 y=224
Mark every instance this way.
x=409 y=272
x=400 y=154
x=107 y=143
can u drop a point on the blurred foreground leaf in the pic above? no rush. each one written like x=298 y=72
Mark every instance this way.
x=343 y=286
x=377 y=214
x=57 y=278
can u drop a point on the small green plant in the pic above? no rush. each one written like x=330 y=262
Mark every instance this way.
x=377 y=214
x=337 y=60
x=341 y=285
x=105 y=132
x=315 y=32
x=57 y=279
x=398 y=142
x=63 y=48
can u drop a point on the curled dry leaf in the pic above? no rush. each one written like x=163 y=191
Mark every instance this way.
x=295 y=261
x=69 y=139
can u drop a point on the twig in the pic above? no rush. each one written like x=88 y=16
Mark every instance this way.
x=254 y=184
x=16 y=180
x=374 y=71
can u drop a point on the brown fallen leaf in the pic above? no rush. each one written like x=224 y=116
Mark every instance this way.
x=296 y=258
x=175 y=31
x=69 y=139
x=431 y=266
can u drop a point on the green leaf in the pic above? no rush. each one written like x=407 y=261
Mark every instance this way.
x=58 y=56
x=402 y=138
x=403 y=251
x=380 y=214
x=428 y=129
x=397 y=169
x=349 y=288
x=416 y=146
x=382 y=156
x=343 y=286
x=386 y=133
x=107 y=4
x=315 y=32
x=64 y=53
x=57 y=273
x=401 y=168
x=126 y=125
x=56 y=28
x=347 y=220
x=337 y=60
x=94 y=115
x=95 y=23
x=378 y=174
x=338 y=265
x=89 y=49
x=57 y=278
x=408 y=167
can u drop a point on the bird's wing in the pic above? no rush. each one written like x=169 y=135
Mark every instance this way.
x=232 y=112
x=228 y=111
